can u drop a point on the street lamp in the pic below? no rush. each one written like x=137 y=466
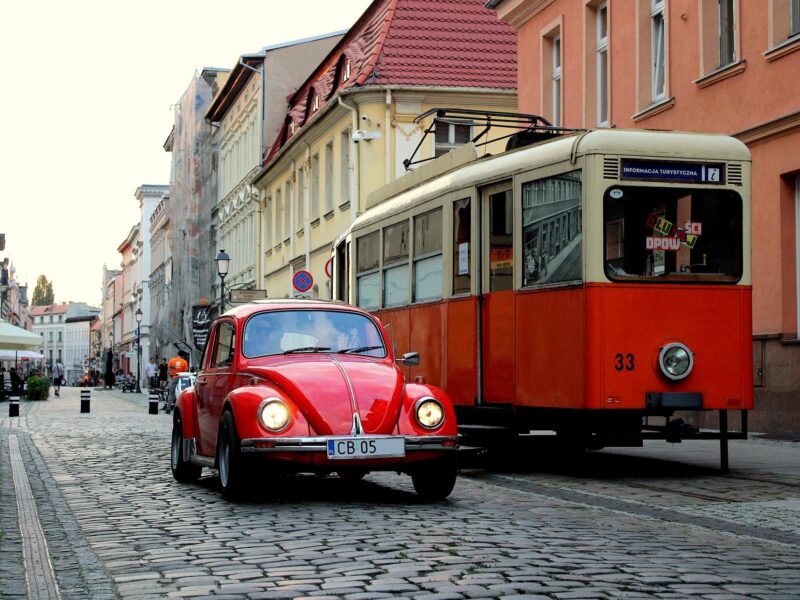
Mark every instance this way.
x=223 y=261
x=138 y=349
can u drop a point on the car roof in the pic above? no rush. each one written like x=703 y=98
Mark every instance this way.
x=245 y=310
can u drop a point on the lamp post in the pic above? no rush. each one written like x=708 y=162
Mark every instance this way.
x=223 y=261
x=109 y=372
x=138 y=349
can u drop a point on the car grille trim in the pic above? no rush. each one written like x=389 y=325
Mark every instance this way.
x=319 y=444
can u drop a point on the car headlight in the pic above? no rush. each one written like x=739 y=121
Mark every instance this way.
x=676 y=361
x=430 y=413
x=274 y=415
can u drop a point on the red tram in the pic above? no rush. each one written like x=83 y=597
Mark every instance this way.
x=585 y=284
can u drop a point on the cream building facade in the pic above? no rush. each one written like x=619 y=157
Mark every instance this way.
x=353 y=122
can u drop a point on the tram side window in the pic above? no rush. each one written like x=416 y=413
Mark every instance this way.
x=672 y=234
x=462 y=228
x=552 y=230
x=368 y=277
x=395 y=265
x=428 y=256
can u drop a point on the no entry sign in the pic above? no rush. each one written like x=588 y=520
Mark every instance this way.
x=302 y=281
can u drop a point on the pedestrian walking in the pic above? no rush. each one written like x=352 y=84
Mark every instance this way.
x=177 y=364
x=163 y=370
x=58 y=373
x=151 y=371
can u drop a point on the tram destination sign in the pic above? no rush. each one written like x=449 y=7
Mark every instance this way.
x=647 y=170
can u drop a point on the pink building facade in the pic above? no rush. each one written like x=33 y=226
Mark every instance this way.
x=724 y=66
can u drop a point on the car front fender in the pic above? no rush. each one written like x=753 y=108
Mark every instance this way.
x=407 y=423
x=243 y=402
x=186 y=405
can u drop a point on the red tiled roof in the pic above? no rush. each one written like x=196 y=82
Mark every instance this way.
x=51 y=309
x=431 y=43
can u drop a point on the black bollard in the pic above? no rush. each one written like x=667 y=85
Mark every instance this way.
x=13 y=407
x=85 y=400
x=153 y=410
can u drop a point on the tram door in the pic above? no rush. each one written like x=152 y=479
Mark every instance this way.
x=496 y=352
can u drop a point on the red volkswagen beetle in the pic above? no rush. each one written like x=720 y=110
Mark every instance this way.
x=310 y=386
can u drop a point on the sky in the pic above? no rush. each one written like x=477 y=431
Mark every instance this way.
x=88 y=88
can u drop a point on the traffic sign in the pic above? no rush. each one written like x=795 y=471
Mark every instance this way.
x=302 y=281
x=329 y=268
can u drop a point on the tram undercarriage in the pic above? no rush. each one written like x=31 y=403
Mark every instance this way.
x=488 y=427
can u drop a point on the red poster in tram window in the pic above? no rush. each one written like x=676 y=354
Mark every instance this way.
x=502 y=258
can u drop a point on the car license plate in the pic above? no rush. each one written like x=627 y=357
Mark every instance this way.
x=365 y=447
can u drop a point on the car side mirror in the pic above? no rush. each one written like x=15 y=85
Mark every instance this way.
x=410 y=359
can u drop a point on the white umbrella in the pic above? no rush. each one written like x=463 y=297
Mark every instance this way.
x=12 y=354
x=16 y=338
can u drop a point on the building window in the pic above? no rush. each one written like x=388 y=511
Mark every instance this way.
x=450 y=136
x=49 y=336
x=287 y=211
x=795 y=18
x=269 y=224
x=60 y=336
x=395 y=265
x=602 y=65
x=328 y=177
x=555 y=75
x=344 y=167
x=727 y=51
x=368 y=281
x=279 y=210
x=296 y=203
x=657 y=24
x=551 y=74
x=347 y=70
x=428 y=256
x=314 y=187
x=797 y=248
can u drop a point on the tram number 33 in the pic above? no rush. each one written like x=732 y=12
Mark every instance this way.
x=624 y=362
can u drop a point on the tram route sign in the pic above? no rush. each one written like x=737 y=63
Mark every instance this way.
x=648 y=170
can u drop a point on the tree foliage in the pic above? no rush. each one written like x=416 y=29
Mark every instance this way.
x=43 y=292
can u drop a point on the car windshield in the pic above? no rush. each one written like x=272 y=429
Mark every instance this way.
x=298 y=331
x=661 y=234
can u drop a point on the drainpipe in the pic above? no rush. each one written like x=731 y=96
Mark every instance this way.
x=355 y=185
x=305 y=188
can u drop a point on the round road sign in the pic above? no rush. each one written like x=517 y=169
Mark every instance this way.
x=329 y=268
x=302 y=281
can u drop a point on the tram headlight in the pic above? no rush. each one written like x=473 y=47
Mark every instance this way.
x=676 y=361
x=274 y=415
x=429 y=412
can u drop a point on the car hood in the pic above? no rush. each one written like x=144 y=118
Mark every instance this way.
x=327 y=387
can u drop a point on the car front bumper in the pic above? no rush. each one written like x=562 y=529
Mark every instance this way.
x=436 y=443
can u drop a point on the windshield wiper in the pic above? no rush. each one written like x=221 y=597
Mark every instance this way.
x=307 y=349
x=358 y=350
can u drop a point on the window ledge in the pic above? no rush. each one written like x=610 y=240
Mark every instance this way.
x=300 y=232
x=315 y=223
x=790 y=341
x=277 y=248
x=721 y=73
x=328 y=215
x=344 y=206
x=268 y=252
x=286 y=241
x=654 y=109
x=784 y=48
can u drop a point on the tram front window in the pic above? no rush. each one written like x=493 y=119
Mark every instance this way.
x=671 y=234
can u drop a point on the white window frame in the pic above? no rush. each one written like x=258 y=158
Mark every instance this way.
x=602 y=65
x=556 y=77
x=444 y=147
x=658 y=25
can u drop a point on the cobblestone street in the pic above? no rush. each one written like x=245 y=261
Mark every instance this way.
x=660 y=522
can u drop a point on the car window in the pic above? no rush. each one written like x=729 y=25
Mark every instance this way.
x=224 y=345
x=279 y=332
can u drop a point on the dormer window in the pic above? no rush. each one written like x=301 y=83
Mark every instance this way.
x=346 y=70
x=316 y=103
x=291 y=127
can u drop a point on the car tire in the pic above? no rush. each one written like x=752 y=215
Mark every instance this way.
x=230 y=462
x=182 y=471
x=435 y=480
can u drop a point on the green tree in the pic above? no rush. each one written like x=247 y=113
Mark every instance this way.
x=43 y=292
